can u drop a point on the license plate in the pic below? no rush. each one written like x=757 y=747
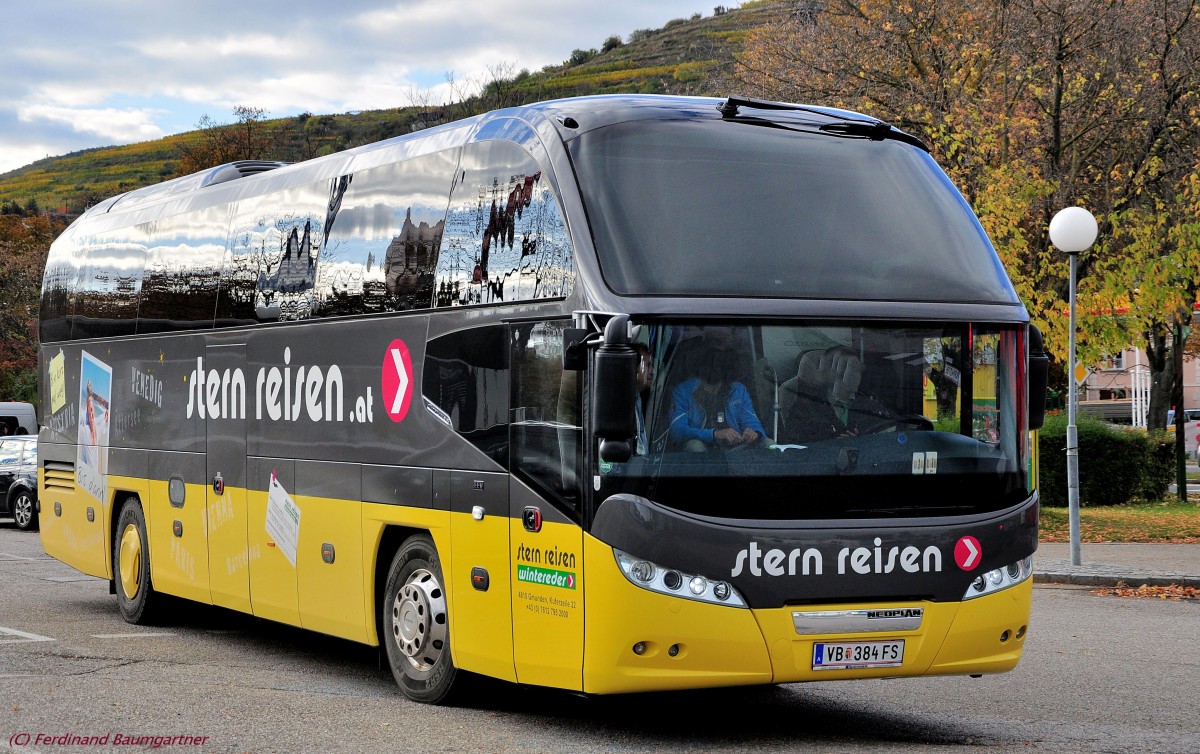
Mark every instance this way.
x=846 y=655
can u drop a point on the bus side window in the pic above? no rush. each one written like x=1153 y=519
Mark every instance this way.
x=109 y=284
x=546 y=431
x=383 y=237
x=466 y=382
x=505 y=237
x=58 y=289
x=183 y=271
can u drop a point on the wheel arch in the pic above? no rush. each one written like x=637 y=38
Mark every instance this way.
x=16 y=487
x=392 y=538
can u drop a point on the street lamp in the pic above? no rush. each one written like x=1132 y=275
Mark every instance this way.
x=1073 y=230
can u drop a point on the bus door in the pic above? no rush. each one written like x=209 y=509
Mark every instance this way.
x=547 y=540
x=223 y=395
x=479 y=571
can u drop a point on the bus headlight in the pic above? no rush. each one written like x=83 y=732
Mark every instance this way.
x=1001 y=578
x=668 y=581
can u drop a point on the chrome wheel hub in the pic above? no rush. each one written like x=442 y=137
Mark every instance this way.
x=419 y=620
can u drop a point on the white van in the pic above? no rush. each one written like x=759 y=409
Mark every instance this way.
x=17 y=418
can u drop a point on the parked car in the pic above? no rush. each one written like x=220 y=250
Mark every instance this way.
x=18 y=480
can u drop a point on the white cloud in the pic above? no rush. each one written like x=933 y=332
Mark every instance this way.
x=263 y=46
x=82 y=74
x=111 y=124
x=12 y=157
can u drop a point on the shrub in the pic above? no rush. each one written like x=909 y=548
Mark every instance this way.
x=1115 y=465
x=579 y=57
x=1160 y=471
x=612 y=43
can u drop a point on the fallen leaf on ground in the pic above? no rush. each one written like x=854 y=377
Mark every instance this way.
x=1174 y=592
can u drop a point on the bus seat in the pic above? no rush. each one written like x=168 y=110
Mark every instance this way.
x=810 y=380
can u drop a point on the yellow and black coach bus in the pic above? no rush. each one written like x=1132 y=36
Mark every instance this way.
x=607 y=394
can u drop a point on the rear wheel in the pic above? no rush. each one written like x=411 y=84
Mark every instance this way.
x=24 y=511
x=415 y=624
x=131 y=566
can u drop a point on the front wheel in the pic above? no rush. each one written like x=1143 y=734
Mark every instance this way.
x=415 y=625
x=131 y=566
x=24 y=510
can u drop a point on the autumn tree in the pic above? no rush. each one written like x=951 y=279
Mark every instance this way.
x=1030 y=105
x=24 y=242
x=248 y=138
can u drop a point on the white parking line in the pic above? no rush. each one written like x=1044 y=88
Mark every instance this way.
x=131 y=636
x=24 y=636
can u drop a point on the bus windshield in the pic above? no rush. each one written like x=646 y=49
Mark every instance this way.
x=828 y=420
x=829 y=217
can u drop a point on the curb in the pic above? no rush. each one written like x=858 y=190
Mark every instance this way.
x=1112 y=580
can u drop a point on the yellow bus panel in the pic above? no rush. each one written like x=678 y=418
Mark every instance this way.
x=480 y=618
x=178 y=554
x=273 y=589
x=715 y=645
x=988 y=633
x=66 y=533
x=547 y=604
x=329 y=564
x=229 y=558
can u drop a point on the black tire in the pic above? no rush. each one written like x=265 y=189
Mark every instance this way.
x=414 y=624
x=24 y=510
x=131 y=566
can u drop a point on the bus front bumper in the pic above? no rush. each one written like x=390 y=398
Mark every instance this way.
x=638 y=640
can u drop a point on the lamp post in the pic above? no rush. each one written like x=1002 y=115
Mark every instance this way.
x=1073 y=230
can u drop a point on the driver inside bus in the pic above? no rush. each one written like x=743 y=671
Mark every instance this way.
x=714 y=410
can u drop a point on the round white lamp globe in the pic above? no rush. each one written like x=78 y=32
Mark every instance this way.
x=1073 y=230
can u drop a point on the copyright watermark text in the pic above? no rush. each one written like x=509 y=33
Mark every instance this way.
x=21 y=739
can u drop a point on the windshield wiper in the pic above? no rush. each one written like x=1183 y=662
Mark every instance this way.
x=729 y=108
x=843 y=125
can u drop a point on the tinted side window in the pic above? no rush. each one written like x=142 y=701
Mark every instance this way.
x=546 y=428
x=183 y=270
x=382 y=251
x=276 y=244
x=465 y=384
x=58 y=289
x=109 y=283
x=505 y=237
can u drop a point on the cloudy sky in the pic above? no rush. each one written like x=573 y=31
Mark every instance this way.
x=88 y=73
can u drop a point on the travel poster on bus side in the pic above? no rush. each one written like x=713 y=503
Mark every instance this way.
x=95 y=395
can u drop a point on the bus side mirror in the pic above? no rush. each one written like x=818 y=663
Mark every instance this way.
x=614 y=380
x=1039 y=372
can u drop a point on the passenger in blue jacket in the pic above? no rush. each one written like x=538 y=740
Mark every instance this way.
x=713 y=410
